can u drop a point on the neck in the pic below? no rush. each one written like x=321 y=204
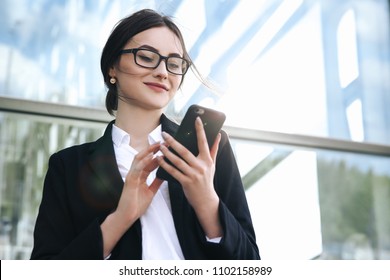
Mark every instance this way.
x=137 y=122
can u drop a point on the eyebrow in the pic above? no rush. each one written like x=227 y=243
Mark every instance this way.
x=148 y=47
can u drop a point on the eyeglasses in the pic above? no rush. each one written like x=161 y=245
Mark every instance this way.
x=151 y=59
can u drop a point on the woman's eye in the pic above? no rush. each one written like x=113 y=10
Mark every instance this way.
x=173 y=66
x=145 y=58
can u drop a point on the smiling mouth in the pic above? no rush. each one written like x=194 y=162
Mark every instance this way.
x=158 y=86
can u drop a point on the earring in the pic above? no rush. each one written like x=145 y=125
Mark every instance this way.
x=113 y=81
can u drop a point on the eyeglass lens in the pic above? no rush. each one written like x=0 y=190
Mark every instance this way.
x=150 y=59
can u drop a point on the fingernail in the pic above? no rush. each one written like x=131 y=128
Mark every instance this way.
x=163 y=148
x=165 y=135
x=150 y=155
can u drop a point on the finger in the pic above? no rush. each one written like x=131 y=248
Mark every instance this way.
x=173 y=171
x=156 y=184
x=143 y=159
x=176 y=161
x=203 y=146
x=138 y=167
x=214 y=148
x=152 y=149
x=183 y=152
x=151 y=165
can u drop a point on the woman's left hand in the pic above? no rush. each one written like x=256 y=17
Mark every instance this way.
x=196 y=175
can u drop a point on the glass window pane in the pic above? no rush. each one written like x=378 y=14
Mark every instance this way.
x=318 y=204
x=26 y=143
x=280 y=65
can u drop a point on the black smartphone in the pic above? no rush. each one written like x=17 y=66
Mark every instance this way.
x=186 y=134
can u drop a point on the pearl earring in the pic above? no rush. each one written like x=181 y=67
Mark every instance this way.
x=112 y=80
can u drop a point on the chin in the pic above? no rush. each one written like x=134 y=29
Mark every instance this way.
x=162 y=102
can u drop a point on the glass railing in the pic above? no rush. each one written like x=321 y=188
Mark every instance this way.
x=310 y=198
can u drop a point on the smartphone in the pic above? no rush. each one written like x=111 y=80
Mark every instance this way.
x=186 y=134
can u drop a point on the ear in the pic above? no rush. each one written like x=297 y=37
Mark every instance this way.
x=112 y=72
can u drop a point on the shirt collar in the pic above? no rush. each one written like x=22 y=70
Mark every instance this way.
x=156 y=135
x=121 y=137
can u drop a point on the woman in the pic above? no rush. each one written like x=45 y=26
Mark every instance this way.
x=102 y=200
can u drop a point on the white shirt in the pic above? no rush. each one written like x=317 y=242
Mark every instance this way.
x=159 y=238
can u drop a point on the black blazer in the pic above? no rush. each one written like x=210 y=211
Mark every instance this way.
x=83 y=186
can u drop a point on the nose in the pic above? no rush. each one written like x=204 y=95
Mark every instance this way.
x=161 y=69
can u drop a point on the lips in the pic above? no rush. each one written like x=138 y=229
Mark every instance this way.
x=157 y=86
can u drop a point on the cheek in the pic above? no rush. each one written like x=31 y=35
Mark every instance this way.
x=126 y=69
x=125 y=65
x=177 y=82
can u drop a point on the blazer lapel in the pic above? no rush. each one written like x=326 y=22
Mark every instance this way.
x=167 y=125
x=181 y=209
x=104 y=167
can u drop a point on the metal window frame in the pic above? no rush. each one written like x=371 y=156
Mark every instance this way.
x=46 y=109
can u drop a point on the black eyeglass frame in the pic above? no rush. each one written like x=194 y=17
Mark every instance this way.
x=161 y=57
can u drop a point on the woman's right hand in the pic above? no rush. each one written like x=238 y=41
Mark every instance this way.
x=135 y=198
x=136 y=194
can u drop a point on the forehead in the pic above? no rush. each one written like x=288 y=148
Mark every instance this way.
x=160 y=38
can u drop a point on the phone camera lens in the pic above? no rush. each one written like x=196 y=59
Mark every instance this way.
x=199 y=111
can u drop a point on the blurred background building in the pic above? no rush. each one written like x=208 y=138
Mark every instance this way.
x=305 y=85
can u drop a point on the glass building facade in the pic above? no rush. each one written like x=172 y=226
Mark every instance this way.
x=304 y=84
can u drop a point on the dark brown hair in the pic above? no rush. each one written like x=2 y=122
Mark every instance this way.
x=124 y=30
